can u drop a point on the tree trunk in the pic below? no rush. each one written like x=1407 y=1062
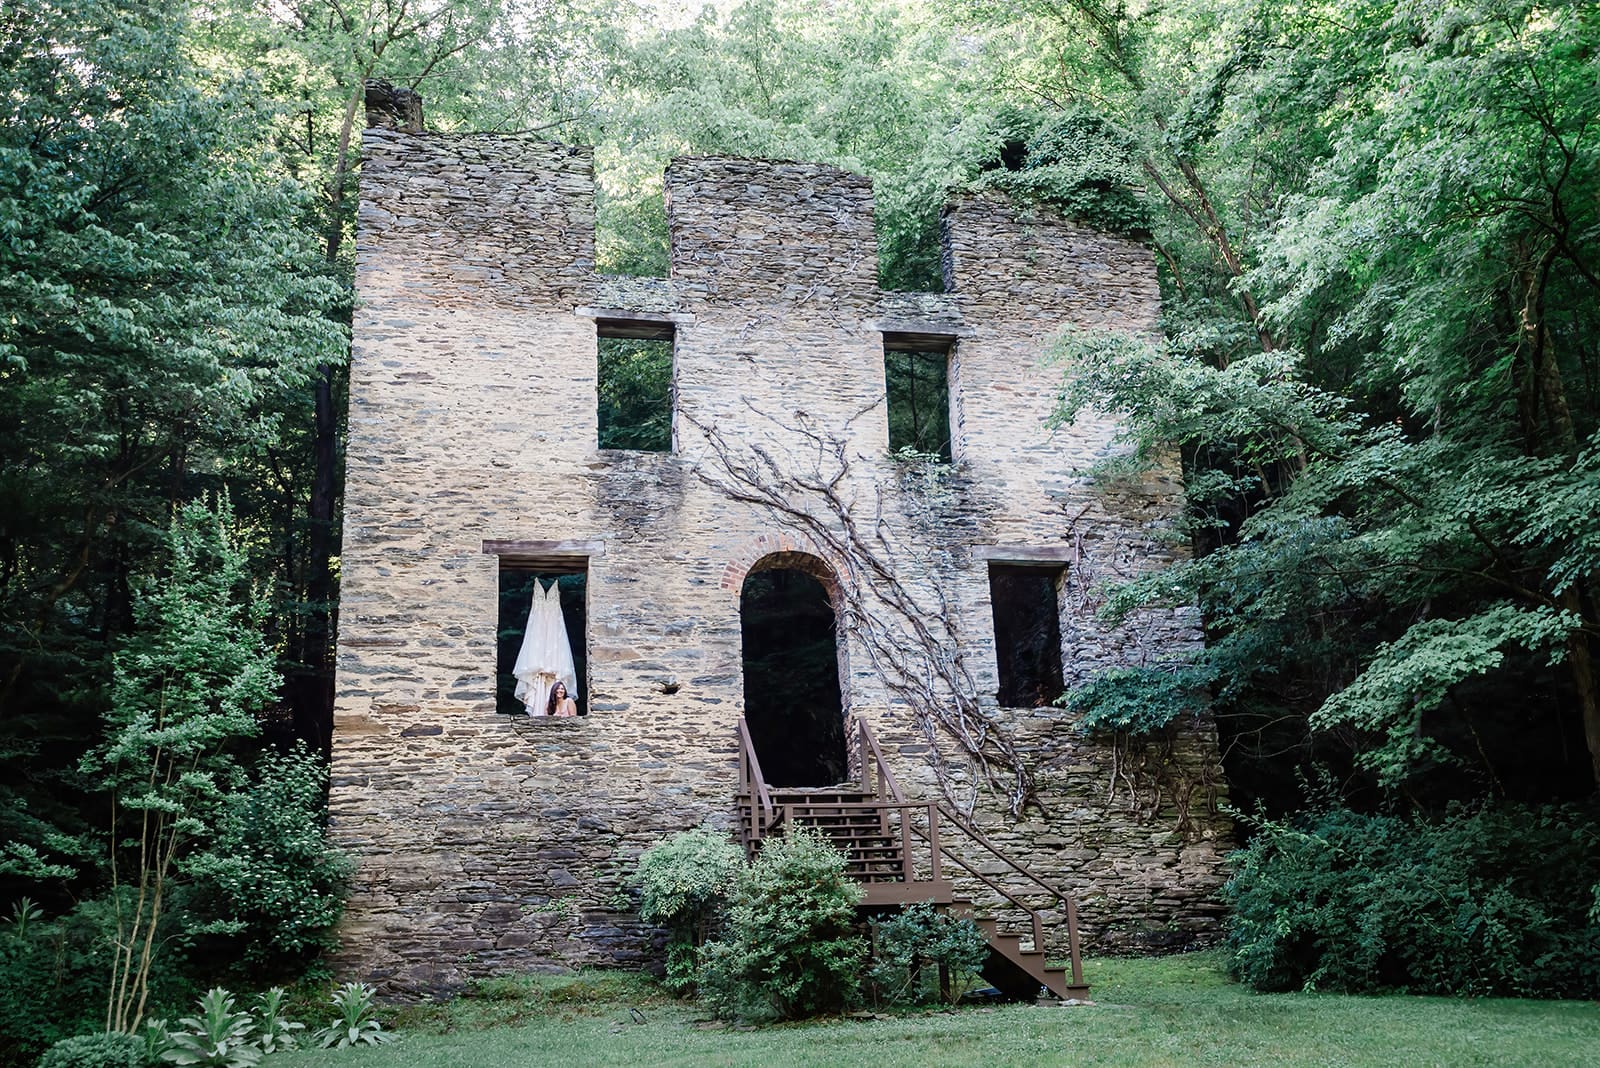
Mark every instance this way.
x=311 y=692
x=1582 y=661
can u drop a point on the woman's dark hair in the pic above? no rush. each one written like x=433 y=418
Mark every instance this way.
x=550 y=705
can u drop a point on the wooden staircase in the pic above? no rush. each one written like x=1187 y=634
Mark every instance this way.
x=900 y=852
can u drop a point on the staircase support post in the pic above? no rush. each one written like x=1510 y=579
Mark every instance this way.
x=1072 y=946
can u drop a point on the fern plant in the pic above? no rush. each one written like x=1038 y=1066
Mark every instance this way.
x=357 y=1025
x=219 y=1036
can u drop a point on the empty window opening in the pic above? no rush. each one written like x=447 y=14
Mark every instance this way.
x=792 y=700
x=560 y=614
x=1027 y=633
x=916 y=370
x=635 y=387
x=630 y=222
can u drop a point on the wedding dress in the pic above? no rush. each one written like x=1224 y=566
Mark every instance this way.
x=546 y=655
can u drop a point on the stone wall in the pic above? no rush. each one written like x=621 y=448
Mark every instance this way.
x=487 y=843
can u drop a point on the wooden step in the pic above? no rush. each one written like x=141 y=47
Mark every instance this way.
x=1019 y=961
x=856 y=848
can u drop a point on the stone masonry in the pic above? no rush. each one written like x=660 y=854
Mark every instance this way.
x=489 y=844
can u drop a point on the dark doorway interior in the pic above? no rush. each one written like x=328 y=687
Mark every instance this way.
x=1027 y=633
x=516 y=593
x=791 y=679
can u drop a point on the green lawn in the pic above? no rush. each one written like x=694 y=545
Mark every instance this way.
x=1173 y=1011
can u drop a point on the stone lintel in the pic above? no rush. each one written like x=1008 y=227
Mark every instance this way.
x=936 y=316
x=556 y=555
x=1038 y=555
x=920 y=337
x=371 y=641
x=628 y=322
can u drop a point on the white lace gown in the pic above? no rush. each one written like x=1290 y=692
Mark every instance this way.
x=546 y=654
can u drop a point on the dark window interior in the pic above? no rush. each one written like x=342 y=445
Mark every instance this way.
x=792 y=701
x=635 y=387
x=516 y=595
x=916 y=371
x=1027 y=633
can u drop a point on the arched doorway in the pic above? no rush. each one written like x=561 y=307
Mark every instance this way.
x=792 y=699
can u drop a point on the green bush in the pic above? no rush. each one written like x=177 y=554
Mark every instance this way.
x=790 y=949
x=921 y=954
x=53 y=977
x=684 y=883
x=270 y=875
x=1494 y=901
x=109 y=1049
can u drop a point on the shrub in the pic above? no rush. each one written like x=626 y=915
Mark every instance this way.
x=1494 y=901
x=790 y=950
x=278 y=886
x=109 y=1049
x=684 y=883
x=53 y=978
x=921 y=954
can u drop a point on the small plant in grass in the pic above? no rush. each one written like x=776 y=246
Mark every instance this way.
x=156 y=1039
x=791 y=949
x=110 y=1049
x=357 y=1025
x=220 y=1036
x=921 y=954
x=277 y=1030
x=25 y=913
x=500 y=988
x=684 y=883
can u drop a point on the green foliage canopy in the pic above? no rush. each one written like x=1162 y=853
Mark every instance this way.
x=1400 y=481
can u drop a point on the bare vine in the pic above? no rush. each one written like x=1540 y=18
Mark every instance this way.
x=909 y=631
x=1148 y=771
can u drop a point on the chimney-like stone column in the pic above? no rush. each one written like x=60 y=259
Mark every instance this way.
x=393 y=107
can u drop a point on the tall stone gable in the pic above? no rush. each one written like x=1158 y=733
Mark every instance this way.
x=486 y=843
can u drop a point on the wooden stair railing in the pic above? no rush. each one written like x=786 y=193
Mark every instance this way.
x=878 y=777
x=874 y=825
x=1076 y=987
x=757 y=815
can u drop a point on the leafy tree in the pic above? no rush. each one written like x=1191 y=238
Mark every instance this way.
x=871 y=86
x=279 y=886
x=159 y=298
x=1415 y=452
x=189 y=683
x=635 y=391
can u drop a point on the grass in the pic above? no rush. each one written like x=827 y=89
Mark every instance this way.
x=1171 y=1011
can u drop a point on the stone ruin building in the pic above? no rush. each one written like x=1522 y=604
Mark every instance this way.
x=954 y=595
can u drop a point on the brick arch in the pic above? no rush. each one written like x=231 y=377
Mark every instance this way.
x=779 y=549
x=782 y=549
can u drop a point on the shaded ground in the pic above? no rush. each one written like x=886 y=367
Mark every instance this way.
x=1171 y=1011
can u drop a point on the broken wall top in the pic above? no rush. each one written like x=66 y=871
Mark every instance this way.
x=518 y=215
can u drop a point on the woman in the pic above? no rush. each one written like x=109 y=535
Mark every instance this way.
x=560 y=704
x=546 y=655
